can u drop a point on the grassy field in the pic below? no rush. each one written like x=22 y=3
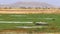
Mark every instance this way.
x=49 y=18
x=52 y=19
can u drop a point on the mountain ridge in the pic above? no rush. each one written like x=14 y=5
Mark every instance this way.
x=29 y=4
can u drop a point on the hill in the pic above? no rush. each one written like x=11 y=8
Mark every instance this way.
x=28 y=5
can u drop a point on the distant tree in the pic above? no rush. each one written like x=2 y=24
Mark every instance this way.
x=9 y=7
x=29 y=8
x=5 y=7
x=23 y=7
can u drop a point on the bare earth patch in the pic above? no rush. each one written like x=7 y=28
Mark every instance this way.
x=22 y=32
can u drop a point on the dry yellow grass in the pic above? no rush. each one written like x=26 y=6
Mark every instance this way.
x=28 y=11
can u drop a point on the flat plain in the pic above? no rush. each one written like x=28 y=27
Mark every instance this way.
x=10 y=18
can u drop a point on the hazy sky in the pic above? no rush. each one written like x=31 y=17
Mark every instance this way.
x=53 y=2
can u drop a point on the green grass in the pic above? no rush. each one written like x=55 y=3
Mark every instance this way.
x=54 y=20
